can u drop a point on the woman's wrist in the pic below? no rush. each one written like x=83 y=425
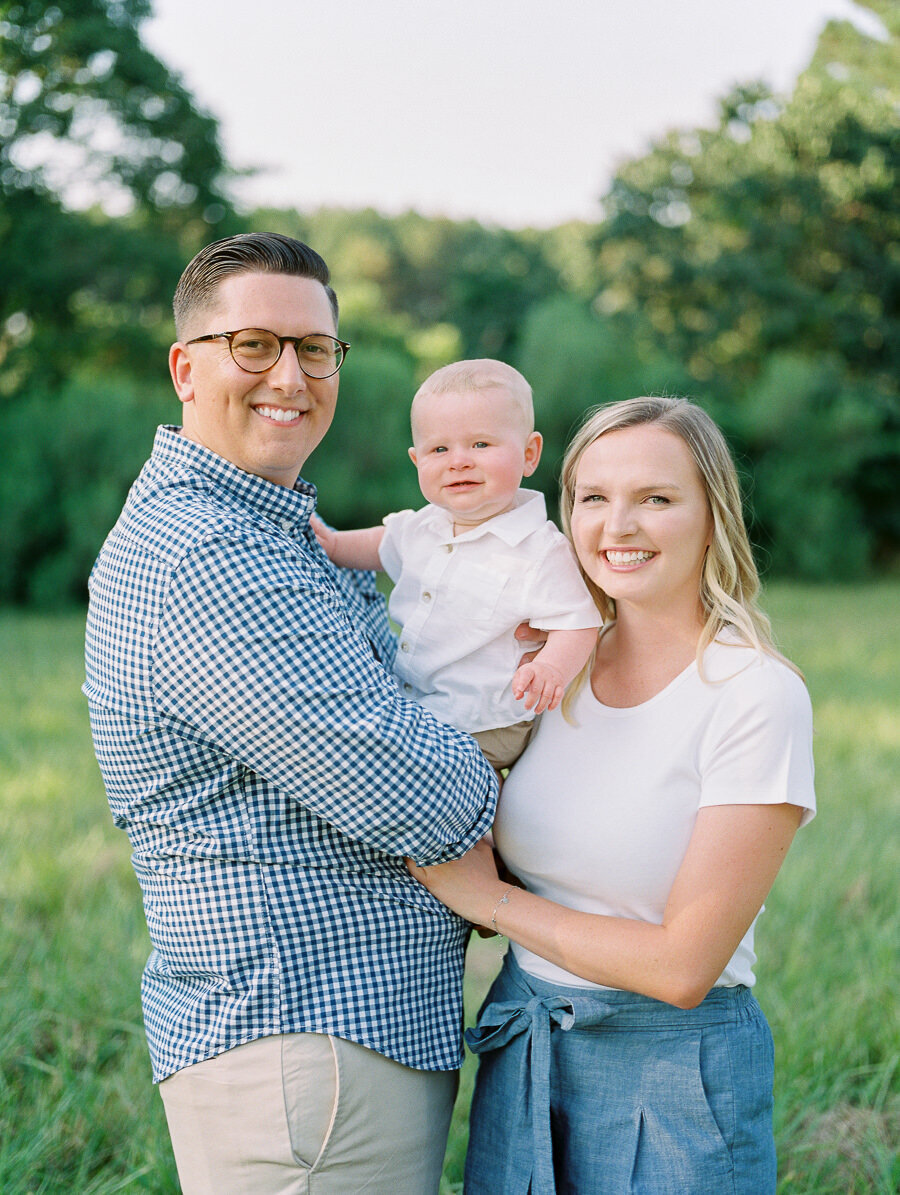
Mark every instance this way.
x=501 y=900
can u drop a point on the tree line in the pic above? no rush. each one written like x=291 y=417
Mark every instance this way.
x=753 y=266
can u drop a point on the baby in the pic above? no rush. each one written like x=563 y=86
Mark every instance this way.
x=476 y=562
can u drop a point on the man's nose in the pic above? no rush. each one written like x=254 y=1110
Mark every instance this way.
x=286 y=375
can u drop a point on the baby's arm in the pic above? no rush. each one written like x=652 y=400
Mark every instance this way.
x=350 y=549
x=543 y=681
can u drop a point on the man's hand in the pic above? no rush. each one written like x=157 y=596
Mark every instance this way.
x=539 y=684
x=526 y=634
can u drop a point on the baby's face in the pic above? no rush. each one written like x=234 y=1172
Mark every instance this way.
x=472 y=450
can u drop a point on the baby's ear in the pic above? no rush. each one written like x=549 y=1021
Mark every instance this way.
x=533 y=446
x=412 y=456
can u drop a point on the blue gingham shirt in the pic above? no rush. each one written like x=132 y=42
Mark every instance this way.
x=271 y=777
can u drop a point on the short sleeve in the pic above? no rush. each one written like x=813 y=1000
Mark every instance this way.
x=390 y=549
x=758 y=745
x=558 y=599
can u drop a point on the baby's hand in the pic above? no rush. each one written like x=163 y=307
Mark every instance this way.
x=541 y=685
x=323 y=534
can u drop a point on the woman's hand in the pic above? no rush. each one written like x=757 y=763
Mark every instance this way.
x=470 y=886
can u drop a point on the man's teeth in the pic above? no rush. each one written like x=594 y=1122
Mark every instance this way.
x=627 y=557
x=279 y=414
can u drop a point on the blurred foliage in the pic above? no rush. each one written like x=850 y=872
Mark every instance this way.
x=109 y=177
x=754 y=266
x=480 y=281
x=765 y=255
x=70 y=456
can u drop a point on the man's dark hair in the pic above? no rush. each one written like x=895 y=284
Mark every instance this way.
x=247 y=253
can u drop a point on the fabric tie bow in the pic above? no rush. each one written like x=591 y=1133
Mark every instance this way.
x=498 y=1025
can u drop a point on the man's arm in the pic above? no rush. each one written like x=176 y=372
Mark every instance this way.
x=543 y=680
x=256 y=657
x=350 y=549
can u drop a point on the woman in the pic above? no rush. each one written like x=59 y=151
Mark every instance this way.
x=621 y=1048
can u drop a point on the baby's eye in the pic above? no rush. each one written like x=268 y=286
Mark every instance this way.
x=439 y=448
x=481 y=444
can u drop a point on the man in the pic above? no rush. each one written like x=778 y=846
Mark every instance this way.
x=302 y=999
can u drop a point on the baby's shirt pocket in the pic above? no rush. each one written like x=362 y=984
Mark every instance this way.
x=480 y=590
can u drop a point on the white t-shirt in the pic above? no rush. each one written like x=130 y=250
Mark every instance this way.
x=598 y=816
x=460 y=598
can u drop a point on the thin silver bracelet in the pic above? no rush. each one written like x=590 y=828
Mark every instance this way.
x=504 y=900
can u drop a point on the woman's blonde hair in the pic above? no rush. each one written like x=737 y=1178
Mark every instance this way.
x=729 y=582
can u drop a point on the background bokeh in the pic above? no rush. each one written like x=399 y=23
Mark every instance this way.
x=752 y=264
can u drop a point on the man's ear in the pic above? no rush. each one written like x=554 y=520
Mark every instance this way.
x=412 y=456
x=533 y=446
x=180 y=369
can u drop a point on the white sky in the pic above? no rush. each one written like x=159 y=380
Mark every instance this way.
x=513 y=111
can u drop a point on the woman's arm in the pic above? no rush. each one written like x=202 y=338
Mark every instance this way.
x=731 y=862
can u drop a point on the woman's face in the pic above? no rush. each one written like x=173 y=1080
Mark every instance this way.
x=641 y=522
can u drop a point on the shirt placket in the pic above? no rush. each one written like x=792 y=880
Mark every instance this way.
x=435 y=576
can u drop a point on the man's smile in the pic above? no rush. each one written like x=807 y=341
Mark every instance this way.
x=286 y=415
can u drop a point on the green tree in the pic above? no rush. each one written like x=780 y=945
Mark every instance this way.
x=92 y=125
x=417 y=273
x=576 y=360
x=776 y=233
x=110 y=178
x=361 y=467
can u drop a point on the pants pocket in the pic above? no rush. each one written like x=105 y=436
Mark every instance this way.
x=310 y=1083
x=683 y=1142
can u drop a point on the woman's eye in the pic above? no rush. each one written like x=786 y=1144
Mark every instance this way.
x=658 y=500
x=588 y=498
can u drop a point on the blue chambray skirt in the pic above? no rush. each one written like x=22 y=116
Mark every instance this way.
x=588 y=1092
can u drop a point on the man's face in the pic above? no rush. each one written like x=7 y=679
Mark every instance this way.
x=265 y=423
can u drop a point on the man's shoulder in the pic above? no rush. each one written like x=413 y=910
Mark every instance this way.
x=171 y=515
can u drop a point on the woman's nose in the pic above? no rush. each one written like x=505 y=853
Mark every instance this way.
x=620 y=519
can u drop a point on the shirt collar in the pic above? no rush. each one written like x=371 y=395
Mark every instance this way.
x=528 y=514
x=173 y=454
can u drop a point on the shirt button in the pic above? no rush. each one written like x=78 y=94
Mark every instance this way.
x=287 y=526
x=426 y=597
x=404 y=646
x=448 y=547
x=407 y=688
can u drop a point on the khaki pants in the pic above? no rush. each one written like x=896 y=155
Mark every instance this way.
x=503 y=746
x=308 y=1114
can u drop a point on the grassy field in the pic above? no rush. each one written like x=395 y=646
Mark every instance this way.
x=78 y=1114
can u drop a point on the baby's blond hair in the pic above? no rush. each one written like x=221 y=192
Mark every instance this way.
x=482 y=373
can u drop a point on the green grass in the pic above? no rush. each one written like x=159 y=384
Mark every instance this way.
x=78 y=1113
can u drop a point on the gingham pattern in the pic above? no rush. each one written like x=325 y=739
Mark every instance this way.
x=271 y=777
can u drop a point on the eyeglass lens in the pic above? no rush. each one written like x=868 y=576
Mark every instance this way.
x=256 y=350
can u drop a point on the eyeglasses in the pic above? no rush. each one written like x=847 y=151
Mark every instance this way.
x=256 y=349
